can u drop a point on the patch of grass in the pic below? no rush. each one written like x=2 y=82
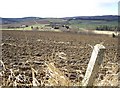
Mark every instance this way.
x=91 y=24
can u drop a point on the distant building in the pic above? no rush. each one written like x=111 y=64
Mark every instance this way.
x=58 y=25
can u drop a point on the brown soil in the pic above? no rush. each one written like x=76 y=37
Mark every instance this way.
x=40 y=47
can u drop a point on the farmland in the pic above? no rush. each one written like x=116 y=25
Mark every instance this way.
x=56 y=51
x=76 y=23
x=26 y=51
x=92 y=24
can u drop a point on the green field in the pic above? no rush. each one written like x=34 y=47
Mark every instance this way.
x=91 y=24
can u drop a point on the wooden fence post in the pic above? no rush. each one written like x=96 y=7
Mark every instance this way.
x=94 y=64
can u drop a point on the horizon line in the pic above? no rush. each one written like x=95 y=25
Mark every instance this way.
x=59 y=17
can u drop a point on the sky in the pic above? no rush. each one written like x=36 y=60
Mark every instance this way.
x=57 y=8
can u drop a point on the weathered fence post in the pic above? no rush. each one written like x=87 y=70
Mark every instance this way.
x=94 y=64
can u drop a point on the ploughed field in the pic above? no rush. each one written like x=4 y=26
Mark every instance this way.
x=70 y=53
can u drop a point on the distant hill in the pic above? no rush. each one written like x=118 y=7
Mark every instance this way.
x=106 y=18
x=17 y=20
x=29 y=19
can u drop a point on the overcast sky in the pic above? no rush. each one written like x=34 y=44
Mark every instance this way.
x=57 y=8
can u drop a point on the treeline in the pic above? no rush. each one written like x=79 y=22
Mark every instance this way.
x=107 y=28
x=104 y=17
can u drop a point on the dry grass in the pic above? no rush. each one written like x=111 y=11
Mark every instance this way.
x=14 y=79
x=56 y=77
